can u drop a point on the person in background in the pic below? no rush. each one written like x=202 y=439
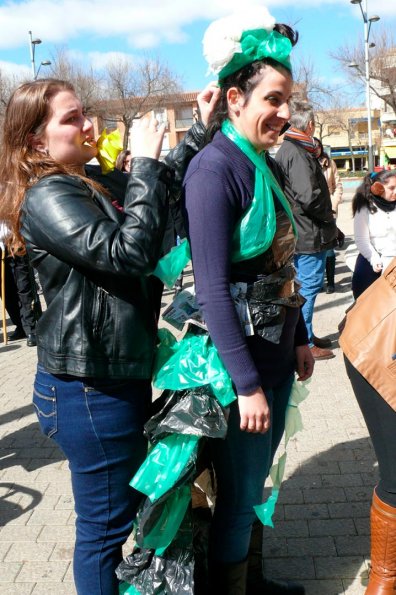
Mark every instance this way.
x=374 y=212
x=231 y=173
x=307 y=189
x=123 y=161
x=333 y=179
x=97 y=336
x=21 y=299
x=368 y=341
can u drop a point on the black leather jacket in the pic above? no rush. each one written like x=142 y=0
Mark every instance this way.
x=93 y=263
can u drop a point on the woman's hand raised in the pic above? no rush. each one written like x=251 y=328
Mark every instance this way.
x=147 y=138
x=207 y=100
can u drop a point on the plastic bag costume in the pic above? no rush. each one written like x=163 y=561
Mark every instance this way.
x=196 y=392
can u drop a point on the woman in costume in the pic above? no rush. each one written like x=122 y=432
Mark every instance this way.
x=96 y=338
x=374 y=212
x=231 y=180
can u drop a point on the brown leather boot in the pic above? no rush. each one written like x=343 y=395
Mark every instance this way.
x=383 y=549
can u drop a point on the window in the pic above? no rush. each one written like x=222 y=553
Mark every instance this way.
x=110 y=124
x=184 y=117
x=160 y=114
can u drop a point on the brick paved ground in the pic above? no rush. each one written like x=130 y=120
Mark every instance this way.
x=321 y=532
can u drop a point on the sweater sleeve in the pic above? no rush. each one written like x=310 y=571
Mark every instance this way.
x=362 y=237
x=301 y=334
x=212 y=209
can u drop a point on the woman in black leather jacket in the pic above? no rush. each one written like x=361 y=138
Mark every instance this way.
x=96 y=337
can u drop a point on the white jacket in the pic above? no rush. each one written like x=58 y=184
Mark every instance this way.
x=375 y=236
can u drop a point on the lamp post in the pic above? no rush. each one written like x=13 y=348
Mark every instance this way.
x=367 y=26
x=42 y=63
x=32 y=44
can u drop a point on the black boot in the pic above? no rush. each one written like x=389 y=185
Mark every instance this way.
x=227 y=579
x=17 y=334
x=330 y=270
x=257 y=584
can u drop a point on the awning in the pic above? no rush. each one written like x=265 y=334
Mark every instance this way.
x=356 y=153
x=390 y=151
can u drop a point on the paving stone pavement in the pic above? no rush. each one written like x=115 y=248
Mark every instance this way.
x=321 y=534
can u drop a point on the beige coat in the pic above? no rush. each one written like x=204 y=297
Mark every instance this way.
x=334 y=183
x=369 y=337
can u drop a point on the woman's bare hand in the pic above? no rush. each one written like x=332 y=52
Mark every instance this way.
x=147 y=138
x=207 y=100
x=304 y=362
x=254 y=412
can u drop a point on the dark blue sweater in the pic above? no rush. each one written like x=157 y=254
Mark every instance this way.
x=218 y=188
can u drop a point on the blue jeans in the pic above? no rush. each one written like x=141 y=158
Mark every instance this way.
x=310 y=272
x=242 y=462
x=98 y=425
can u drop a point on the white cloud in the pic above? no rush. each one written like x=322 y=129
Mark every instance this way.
x=145 y=23
x=100 y=59
x=19 y=71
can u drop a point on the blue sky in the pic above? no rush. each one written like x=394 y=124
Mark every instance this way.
x=95 y=29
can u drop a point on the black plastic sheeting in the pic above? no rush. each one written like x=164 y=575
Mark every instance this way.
x=196 y=412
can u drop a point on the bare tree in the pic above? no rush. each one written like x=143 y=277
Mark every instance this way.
x=8 y=83
x=317 y=91
x=382 y=65
x=137 y=87
x=86 y=81
x=334 y=120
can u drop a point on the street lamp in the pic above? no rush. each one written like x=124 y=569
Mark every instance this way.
x=367 y=26
x=32 y=44
x=42 y=63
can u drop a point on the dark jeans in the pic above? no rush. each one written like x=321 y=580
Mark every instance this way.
x=98 y=425
x=242 y=462
x=363 y=276
x=380 y=419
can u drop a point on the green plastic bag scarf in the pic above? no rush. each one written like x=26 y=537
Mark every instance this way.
x=255 y=230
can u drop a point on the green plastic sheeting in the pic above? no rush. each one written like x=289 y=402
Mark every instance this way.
x=193 y=361
x=171 y=265
x=166 y=462
x=125 y=589
x=168 y=523
x=293 y=424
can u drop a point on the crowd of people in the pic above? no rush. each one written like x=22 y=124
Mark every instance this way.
x=261 y=227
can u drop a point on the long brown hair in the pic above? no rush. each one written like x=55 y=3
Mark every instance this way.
x=21 y=165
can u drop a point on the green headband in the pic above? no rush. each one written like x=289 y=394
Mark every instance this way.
x=257 y=44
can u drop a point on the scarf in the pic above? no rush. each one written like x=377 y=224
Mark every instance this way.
x=300 y=138
x=255 y=231
x=383 y=204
